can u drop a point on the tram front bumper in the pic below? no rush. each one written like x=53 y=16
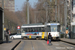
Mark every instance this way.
x=31 y=36
x=55 y=38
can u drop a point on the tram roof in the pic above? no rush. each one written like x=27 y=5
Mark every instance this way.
x=32 y=25
x=52 y=23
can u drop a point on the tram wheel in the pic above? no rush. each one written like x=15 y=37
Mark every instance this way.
x=25 y=38
x=37 y=38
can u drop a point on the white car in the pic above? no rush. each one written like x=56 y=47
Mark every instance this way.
x=15 y=36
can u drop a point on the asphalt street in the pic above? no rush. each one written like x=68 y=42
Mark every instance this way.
x=42 y=45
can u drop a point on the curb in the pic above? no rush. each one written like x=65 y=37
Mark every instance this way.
x=16 y=45
x=68 y=42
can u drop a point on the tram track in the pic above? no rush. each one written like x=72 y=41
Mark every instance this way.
x=32 y=46
x=42 y=44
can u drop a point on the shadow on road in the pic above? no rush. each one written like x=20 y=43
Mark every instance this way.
x=7 y=42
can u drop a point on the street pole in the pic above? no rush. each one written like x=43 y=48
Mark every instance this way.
x=71 y=9
x=46 y=14
x=56 y=10
x=3 y=17
x=28 y=20
x=65 y=15
x=35 y=17
x=46 y=11
x=71 y=15
x=58 y=13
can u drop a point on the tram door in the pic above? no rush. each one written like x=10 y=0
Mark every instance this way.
x=43 y=33
x=1 y=30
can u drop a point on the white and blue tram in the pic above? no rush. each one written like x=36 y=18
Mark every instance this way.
x=33 y=31
x=54 y=29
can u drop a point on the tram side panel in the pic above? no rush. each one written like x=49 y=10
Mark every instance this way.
x=31 y=35
x=55 y=35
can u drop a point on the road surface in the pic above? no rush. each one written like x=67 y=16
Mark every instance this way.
x=42 y=45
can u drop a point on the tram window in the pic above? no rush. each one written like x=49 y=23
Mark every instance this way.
x=58 y=28
x=39 y=29
x=30 y=29
x=23 y=30
x=33 y=29
x=42 y=29
x=48 y=29
x=27 y=29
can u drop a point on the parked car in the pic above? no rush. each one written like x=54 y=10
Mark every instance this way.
x=15 y=36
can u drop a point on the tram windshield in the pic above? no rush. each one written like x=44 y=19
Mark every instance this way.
x=55 y=28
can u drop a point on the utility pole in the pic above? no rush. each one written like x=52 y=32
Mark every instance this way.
x=71 y=9
x=35 y=16
x=3 y=17
x=65 y=14
x=71 y=14
x=58 y=13
x=36 y=20
x=56 y=10
x=28 y=19
x=46 y=13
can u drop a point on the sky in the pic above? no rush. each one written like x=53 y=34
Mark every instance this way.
x=19 y=4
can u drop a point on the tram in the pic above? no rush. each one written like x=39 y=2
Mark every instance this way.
x=73 y=30
x=54 y=29
x=32 y=31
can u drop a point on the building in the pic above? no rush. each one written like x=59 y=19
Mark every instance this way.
x=73 y=8
x=0 y=3
x=8 y=4
x=73 y=19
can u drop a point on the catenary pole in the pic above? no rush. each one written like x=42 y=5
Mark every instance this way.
x=3 y=18
x=28 y=21
x=65 y=15
x=56 y=10
x=71 y=1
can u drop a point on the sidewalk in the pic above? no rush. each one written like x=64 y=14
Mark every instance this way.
x=8 y=46
x=68 y=40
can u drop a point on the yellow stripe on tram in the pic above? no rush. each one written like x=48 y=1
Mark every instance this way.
x=43 y=33
x=30 y=36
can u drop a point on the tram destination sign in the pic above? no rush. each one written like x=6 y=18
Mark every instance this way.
x=53 y=24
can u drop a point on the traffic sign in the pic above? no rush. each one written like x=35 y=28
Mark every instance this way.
x=18 y=27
